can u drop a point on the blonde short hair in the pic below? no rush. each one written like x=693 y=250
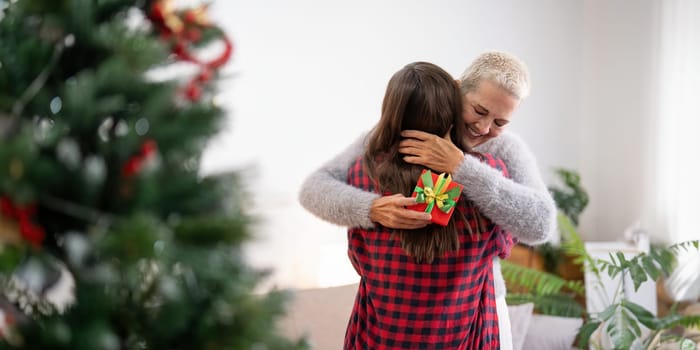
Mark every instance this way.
x=502 y=68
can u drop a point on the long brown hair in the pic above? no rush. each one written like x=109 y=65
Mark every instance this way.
x=420 y=96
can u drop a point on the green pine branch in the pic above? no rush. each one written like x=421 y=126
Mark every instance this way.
x=155 y=248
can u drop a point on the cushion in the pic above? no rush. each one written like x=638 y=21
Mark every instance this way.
x=520 y=316
x=552 y=332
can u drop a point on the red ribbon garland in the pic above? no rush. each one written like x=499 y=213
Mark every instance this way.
x=185 y=28
x=180 y=49
x=31 y=232
x=193 y=90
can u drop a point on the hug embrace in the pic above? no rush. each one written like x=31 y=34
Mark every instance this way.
x=425 y=285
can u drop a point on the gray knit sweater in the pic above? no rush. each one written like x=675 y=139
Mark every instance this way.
x=521 y=205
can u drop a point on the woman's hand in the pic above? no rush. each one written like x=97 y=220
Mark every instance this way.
x=391 y=212
x=431 y=151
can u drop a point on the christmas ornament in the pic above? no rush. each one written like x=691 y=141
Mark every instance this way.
x=31 y=232
x=137 y=162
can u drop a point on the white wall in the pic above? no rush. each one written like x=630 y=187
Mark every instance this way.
x=308 y=76
x=618 y=72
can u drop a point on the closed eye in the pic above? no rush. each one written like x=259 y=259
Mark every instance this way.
x=500 y=122
x=481 y=111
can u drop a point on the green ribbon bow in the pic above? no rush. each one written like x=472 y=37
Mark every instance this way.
x=436 y=194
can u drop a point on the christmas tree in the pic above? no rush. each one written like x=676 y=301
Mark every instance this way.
x=100 y=184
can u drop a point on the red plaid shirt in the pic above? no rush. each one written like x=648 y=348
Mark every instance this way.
x=448 y=304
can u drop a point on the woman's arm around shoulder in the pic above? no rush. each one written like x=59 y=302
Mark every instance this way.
x=326 y=194
x=521 y=204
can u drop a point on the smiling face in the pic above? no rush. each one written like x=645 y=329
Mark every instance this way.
x=487 y=112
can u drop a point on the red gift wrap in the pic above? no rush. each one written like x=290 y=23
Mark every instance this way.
x=437 y=195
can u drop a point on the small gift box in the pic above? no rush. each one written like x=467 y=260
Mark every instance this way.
x=436 y=195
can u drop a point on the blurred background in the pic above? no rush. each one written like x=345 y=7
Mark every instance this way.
x=613 y=86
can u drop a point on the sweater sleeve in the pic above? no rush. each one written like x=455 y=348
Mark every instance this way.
x=521 y=204
x=348 y=206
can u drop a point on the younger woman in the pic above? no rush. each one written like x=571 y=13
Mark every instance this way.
x=431 y=287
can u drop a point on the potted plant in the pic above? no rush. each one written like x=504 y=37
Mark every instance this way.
x=623 y=324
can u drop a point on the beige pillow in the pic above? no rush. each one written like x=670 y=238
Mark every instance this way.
x=552 y=332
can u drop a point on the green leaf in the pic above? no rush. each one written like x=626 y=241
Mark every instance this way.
x=585 y=332
x=665 y=258
x=621 y=259
x=538 y=282
x=620 y=328
x=573 y=245
x=650 y=267
x=638 y=275
x=690 y=321
x=643 y=315
x=634 y=326
x=563 y=305
x=608 y=313
x=669 y=321
x=569 y=230
x=571 y=199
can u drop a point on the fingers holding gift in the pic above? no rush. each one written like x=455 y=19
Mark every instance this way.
x=391 y=212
